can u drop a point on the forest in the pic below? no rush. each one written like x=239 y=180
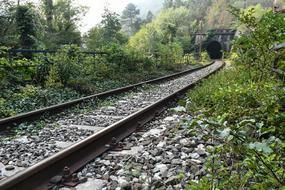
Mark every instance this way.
x=243 y=105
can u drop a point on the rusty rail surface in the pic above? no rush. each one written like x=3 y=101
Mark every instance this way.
x=76 y=156
x=34 y=115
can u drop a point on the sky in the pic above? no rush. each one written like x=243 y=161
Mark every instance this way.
x=96 y=9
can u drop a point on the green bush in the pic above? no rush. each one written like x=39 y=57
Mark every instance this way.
x=29 y=98
x=254 y=47
x=233 y=92
x=246 y=118
x=69 y=72
x=242 y=108
x=67 y=64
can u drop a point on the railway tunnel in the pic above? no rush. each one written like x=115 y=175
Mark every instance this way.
x=214 y=49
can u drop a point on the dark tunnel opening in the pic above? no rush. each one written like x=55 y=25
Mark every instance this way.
x=214 y=50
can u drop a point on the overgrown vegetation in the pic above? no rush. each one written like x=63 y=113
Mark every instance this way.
x=135 y=47
x=243 y=108
x=30 y=81
x=69 y=73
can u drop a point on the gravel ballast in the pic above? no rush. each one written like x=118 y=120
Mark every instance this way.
x=163 y=156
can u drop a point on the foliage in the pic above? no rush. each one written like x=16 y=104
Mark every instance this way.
x=61 y=18
x=149 y=17
x=130 y=20
x=173 y=4
x=255 y=47
x=163 y=30
x=66 y=65
x=70 y=70
x=241 y=111
x=112 y=26
x=30 y=98
x=94 y=39
x=218 y=15
x=205 y=57
x=105 y=34
x=8 y=28
x=246 y=119
x=26 y=26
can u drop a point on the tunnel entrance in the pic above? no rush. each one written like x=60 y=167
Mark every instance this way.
x=214 y=50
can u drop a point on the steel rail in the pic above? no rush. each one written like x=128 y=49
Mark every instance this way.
x=75 y=157
x=34 y=115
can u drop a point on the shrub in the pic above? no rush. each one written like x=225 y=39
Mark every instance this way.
x=245 y=119
x=29 y=98
x=67 y=64
x=254 y=47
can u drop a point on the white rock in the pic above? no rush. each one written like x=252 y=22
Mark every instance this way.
x=113 y=178
x=121 y=172
x=183 y=155
x=145 y=154
x=161 y=168
x=161 y=144
x=179 y=109
x=184 y=142
x=123 y=102
x=23 y=139
x=194 y=155
x=169 y=119
x=103 y=169
x=157 y=177
x=201 y=146
x=200 y=149
x=143 y=177
x=196 y=161
x=106 y=162
x=123 y=182
x=169 y=153
x=111 y=108
x=135 y=180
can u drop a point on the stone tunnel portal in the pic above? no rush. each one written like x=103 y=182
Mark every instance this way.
x=214 y=49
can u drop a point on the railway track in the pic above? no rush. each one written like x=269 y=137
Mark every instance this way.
x=69 y=143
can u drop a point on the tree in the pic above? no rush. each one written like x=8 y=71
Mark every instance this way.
x=26 y=26
x=168 y=4
x=106 y=33
x=173 y=4
x=149 y=17
x=170 y=26
x=62 y=19
x=218 y=16
x=246 y=3
x=48 y=10
x=198 y=9
x=8 y=27
x=111 y=26
x=147 y=39
x=130 y=20
x=95 y=38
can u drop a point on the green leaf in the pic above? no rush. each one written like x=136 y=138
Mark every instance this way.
x=179 y=109
x=225 y=133
x=261 y=147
